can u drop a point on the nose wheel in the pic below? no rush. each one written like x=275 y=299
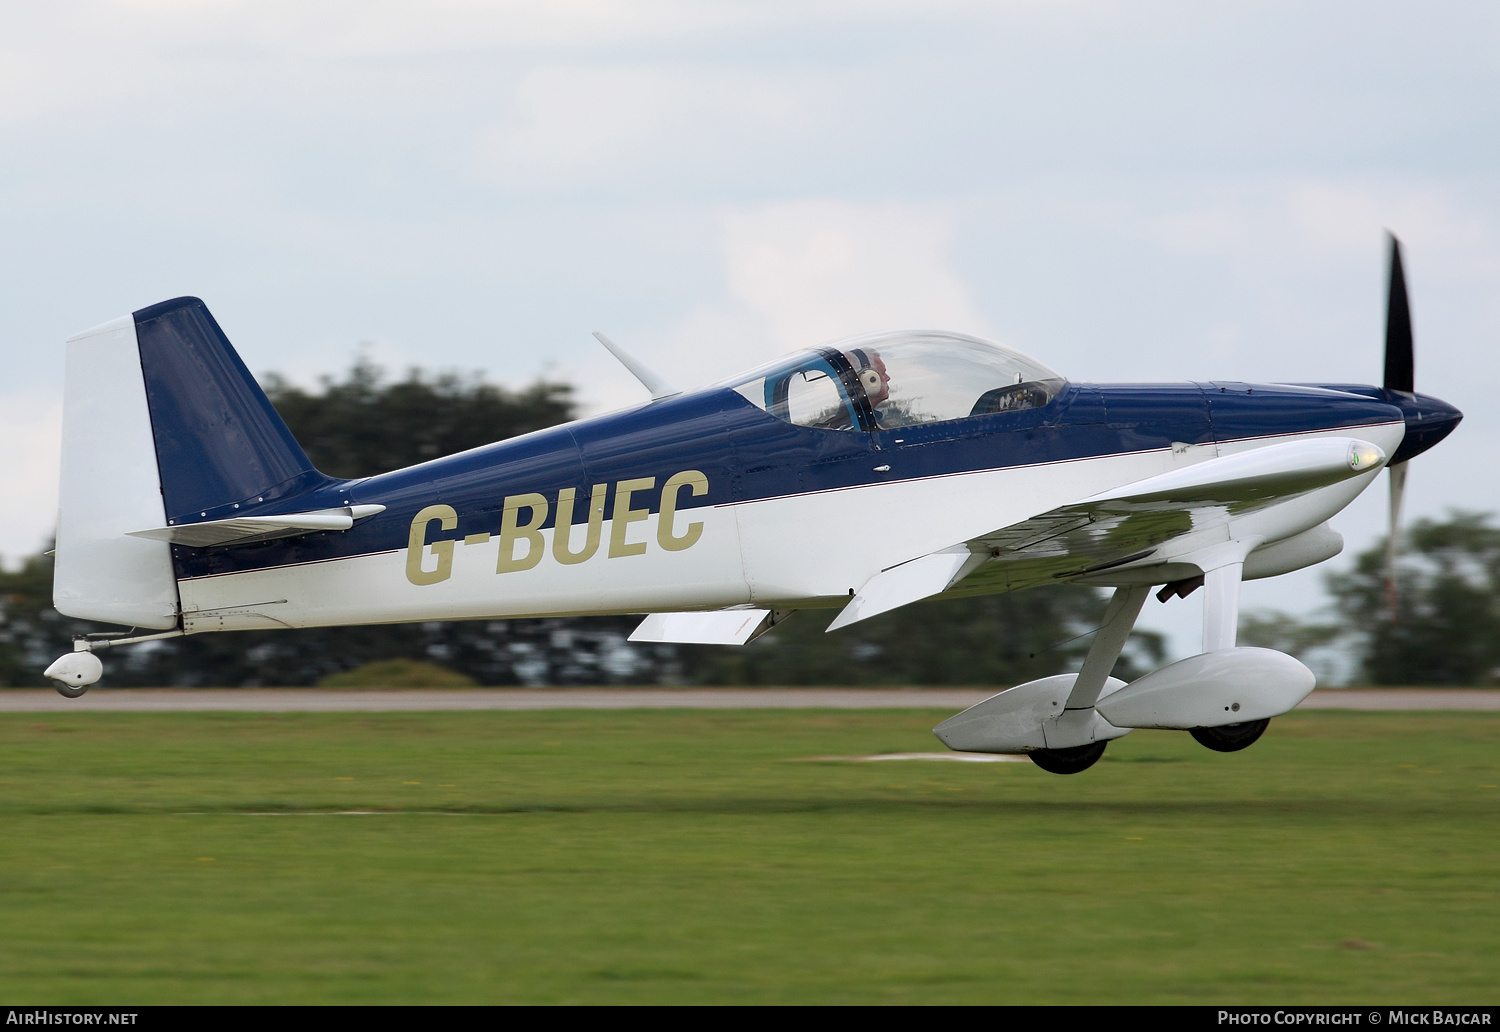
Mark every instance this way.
x=1230 y=737
x=1068 y=761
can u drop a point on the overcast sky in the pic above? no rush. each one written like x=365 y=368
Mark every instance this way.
x=1127 y=191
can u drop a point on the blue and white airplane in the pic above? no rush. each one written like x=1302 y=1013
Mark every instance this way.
x=863 y=475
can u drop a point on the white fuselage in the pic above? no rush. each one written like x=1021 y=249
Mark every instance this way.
x=797 y=551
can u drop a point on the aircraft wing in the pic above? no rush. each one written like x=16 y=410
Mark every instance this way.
x=1118 y=526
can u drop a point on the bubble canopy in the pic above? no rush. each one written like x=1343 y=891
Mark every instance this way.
x=890 y=380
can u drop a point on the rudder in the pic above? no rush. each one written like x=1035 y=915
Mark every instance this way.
x=109 y=487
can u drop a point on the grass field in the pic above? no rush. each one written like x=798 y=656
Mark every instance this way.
x=694 y=856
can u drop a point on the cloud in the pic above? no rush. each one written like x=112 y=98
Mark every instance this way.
x=1344 y=216
x=399 y=28
x=1314 y=220
x=574 y=124
x=445 y=26
x=384 y=28
x=820 y=269
x=794 y=275
x=99 y=59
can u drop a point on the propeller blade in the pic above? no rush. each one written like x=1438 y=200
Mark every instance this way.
x=1399 y=372
x=1400 y=375
x=1398 y=494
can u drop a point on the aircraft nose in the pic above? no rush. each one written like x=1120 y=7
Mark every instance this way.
x=1428 y=421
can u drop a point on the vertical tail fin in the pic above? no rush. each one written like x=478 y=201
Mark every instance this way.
x=219 y=442
x=162 y=424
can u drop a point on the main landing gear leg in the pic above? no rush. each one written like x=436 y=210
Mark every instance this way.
x=1221 y=612
x=1119 y=621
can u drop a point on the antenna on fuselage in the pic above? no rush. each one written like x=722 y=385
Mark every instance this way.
x=658 y=387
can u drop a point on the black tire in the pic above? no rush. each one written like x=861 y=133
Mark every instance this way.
x=1230 y=737
x=1068 y=761
x=68 y=692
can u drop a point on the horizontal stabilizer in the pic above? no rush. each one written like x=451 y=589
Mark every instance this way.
x=245 y=530
x=723 y=627
x=900 y=585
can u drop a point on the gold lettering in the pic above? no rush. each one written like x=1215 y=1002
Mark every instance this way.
x=664 y=536
x=624 y=516
x=416 y=545
x=512 y=531
x=564 y=529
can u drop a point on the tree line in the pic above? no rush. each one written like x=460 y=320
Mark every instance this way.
x=1444 y=628
x=365 y=423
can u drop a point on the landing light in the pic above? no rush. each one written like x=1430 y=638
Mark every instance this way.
x=1363 y=456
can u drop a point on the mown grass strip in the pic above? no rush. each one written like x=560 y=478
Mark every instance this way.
x=679 y=856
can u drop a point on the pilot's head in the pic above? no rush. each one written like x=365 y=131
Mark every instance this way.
x=869 y=369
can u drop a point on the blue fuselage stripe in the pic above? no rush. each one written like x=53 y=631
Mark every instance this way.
x=748 y=455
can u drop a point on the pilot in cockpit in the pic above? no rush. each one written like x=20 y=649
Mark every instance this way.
x=874 y=380
x=897 y=380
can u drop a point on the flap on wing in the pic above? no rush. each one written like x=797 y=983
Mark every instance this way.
x=722 y=627
x=245 y=530
x=909 y=582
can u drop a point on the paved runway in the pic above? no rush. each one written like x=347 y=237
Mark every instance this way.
x=324 y=700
